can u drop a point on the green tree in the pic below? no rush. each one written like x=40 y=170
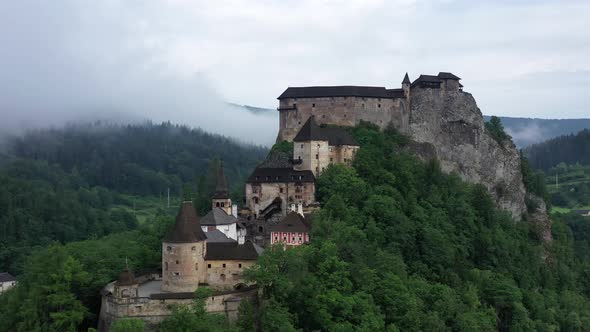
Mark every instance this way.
x=128 y=325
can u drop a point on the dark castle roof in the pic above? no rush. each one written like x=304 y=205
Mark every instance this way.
x=335 y=136
x=231 y=251
x=6 y=277
x=126 y=278
x=217 y=216
x=279 y=175
x=340 y=91
x=218 y=236
x=435 y=79
x=406 y=79
x=221 y=187
x=187 y=228
x=293 y=222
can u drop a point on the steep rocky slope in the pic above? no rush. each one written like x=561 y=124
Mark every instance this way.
x=448 y=125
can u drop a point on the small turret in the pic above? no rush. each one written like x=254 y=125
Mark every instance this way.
x=221 y=197
x=406 y=85
x=126 y=286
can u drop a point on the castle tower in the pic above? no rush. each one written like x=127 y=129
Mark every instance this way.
x=221 y=198
x=406 y=85
x=126 y=286
x=183 y=252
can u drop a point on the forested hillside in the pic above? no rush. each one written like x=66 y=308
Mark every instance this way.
x=400 y=246
x=84 y=181
x=144 y=159
x=568 y=149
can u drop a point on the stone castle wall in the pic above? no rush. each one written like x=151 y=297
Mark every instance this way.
x=153 y=311
x=267 y=192
x=183 y=266
x=341 y=111
x=226 y=274
x=317 y=155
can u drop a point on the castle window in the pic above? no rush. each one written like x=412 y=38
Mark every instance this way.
x=208 y=266
x=312 y=105
x=317 y=169
x=281 y=190
x=318 y=145
x=168 y=248
x=176 y=273
x=194 y=248
x=302 y=148
x=363 y=105
x=299 y=122
x=222 y=204
x=317 y=156
x=299 y=157
x=294 y=105
x=260 y=229
x=379 y=105
x=344 y=113
x=240 y=265
x=255 y=200
x=331 y=159
x=166 y=266
x=217 y=204
x=196 y=266
x=223 y=265
x=222 y=277
x=300 y=177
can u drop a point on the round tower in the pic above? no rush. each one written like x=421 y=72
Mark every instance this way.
x=183 y=252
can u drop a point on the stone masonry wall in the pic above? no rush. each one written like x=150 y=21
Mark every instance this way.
x=267 y=192
x=341 y=111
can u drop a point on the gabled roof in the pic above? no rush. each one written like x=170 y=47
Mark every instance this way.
x=293 y=222
x=187 y=228
x=217 y=216
x=338 y=91
x=280 y=175
x=335 y=136
x=6 y=277
x=231 y=251
x=435 y=79
x=218 y=236
x=221 y=187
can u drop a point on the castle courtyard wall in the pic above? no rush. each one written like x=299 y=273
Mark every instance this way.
x=226 y=274
x=267 y=192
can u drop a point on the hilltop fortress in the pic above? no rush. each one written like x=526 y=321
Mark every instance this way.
x=442 y=121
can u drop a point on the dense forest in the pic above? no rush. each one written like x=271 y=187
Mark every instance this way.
x=397 y=246
x=144 y=159
x=74 y=183
x=569 y=185
x=568 y=149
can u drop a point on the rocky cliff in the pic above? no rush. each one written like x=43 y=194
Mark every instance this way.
x=448 y=125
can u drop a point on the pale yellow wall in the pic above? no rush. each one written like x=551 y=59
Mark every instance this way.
x=232 y=271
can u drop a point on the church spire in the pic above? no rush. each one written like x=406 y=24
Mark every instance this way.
x=406 y=79
x=221 y=187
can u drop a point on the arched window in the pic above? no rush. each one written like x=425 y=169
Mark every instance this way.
x=222 y=204
x=255 y=200
x=217 y=204
x=260 y=229
x=169 y=248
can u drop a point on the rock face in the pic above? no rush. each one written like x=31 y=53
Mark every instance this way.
x=452 y=124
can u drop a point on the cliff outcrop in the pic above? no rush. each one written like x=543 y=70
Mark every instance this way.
x=448 y=125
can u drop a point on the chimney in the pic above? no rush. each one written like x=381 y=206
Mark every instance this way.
x=300 y=209
x=234 y=210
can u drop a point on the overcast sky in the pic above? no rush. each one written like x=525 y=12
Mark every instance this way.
x=180 y=60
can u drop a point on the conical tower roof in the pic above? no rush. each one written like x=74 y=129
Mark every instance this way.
x=406 y=79
x=126 y=278
x=221 y=186
x=187 y=228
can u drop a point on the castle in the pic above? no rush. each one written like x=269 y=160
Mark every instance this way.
x=442 y=122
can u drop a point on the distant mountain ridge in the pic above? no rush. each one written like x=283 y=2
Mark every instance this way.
x=527 y=131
